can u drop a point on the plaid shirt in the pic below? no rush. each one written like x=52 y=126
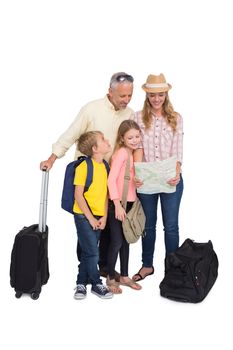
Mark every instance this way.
x=159 y=141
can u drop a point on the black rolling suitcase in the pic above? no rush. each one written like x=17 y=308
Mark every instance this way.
x=29 y=268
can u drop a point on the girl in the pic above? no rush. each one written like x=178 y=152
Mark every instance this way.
x=128 y=139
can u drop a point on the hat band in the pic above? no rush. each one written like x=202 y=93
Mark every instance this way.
x=162 y=85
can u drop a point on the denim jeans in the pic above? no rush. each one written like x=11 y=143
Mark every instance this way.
x=103 y=247
x=170 y=203
x=88 y=240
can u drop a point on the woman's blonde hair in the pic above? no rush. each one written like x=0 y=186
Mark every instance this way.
x=124 y=127
x=167 y=111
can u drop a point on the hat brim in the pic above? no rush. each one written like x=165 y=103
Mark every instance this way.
x=156 y=90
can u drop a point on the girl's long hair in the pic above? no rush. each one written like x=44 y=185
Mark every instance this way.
x=167 y=111
x=125 y=126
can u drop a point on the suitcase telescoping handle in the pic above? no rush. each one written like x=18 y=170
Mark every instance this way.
x=43 y=200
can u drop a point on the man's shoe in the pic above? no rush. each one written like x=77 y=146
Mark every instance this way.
x=101 y=291
x=80 y=292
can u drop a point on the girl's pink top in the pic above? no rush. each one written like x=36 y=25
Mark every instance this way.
x=117 y=173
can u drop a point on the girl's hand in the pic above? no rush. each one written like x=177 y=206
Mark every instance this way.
x=120 y=213
x=138 y=182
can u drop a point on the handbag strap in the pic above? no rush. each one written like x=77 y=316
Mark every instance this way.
x=126 y=182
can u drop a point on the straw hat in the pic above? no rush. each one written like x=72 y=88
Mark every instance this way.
x=156 y=83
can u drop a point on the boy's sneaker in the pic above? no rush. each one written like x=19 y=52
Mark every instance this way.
x=80 y=291
x=101 y=291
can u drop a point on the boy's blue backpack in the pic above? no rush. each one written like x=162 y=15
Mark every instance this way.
x=67 y=200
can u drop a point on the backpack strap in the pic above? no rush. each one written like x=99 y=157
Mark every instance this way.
x=89 y=178
x=89 y=173
x=106 y=166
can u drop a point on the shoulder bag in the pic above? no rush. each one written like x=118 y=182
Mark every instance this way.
x=134 y=222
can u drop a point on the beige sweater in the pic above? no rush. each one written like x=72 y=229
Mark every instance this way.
x=96 y=115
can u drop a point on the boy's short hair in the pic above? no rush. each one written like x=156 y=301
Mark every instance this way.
x=86 y=142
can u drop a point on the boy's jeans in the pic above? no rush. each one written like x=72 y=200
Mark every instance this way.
x=88 y=240
x=170 y=203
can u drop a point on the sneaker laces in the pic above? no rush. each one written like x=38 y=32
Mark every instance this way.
x=80 y=287
x=102 y=288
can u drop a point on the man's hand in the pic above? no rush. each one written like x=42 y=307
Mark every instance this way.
x=47 y=164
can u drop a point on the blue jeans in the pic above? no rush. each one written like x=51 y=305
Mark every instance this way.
x=88 y=240
x=170 y=203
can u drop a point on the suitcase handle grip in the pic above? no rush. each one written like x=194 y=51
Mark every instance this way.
x=43 y=200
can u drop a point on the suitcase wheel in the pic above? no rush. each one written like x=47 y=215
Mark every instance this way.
x=35 y=296
x=18 y=295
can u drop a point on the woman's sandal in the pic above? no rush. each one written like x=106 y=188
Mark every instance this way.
x=139 y=277
x=113 y=286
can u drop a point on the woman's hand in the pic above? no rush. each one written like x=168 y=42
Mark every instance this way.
x=174 y=181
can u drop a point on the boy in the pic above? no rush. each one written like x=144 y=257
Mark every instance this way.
x=90 y=213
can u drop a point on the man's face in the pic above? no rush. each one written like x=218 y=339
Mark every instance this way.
x=120 y=95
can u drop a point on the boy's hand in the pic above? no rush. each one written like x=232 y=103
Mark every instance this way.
x=94 y=223
x=102 y=222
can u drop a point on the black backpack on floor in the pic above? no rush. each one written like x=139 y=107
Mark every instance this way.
x=190 y=272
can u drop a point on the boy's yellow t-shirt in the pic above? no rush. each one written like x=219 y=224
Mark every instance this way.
x=97 y=192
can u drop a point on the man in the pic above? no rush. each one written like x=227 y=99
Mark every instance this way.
x=104 y=115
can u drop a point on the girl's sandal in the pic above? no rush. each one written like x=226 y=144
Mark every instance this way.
x=113 y=286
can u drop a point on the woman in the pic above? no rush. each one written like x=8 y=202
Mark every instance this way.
x=162 y=137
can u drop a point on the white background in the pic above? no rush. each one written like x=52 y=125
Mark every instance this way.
x=55 y=57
